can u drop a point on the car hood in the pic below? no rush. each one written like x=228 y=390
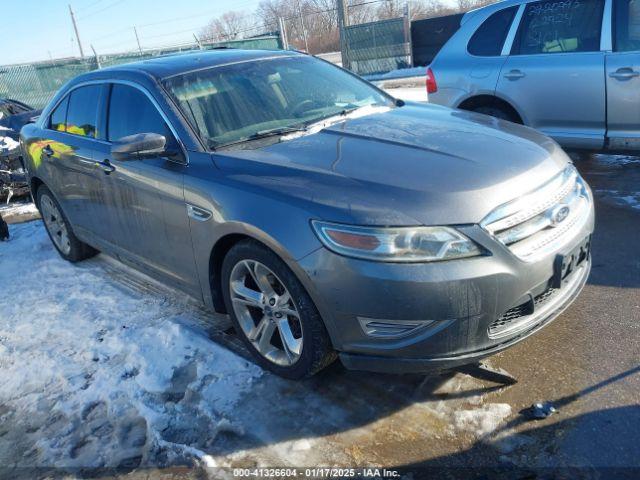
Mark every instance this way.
x=417 y=164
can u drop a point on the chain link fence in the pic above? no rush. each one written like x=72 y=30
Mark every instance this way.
x=377 y=47
x=35 y=84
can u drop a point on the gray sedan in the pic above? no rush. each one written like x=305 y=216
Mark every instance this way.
x=325 y=217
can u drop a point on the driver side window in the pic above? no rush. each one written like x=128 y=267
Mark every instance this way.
x=131 y=112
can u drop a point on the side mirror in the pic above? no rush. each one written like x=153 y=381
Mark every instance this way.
x=139 y=145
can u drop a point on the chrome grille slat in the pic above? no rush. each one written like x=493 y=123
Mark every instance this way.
x=529 y=224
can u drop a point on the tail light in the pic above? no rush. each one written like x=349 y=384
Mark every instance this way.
x=432 y=86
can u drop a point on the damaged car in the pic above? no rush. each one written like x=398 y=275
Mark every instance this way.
x=13 y=116
x=327 y=218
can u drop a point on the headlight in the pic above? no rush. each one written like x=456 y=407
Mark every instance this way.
x=399 y=244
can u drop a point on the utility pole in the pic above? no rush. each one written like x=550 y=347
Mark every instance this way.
x=343 y=21
x=137 y=39
x=304 y=29
x=197 y=41
x=283 y=34
x=407 y=32
x=75 y=27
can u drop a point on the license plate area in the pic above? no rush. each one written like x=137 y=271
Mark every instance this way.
x=565 y=265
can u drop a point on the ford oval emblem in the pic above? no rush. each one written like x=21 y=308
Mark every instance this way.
x=559 y=214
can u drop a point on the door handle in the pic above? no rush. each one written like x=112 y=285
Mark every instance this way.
x=514 y=75
x=624 y=74
x=197 y=213
x=48 y=151
x=106 y=166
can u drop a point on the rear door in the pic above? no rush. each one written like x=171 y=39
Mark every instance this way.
x=555 y=72
x=67 y=154
x=146 y=197
x=623 y=77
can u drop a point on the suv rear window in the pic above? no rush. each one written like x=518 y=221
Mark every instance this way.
x=559 y=27
x=82 y=114
x=490 y=36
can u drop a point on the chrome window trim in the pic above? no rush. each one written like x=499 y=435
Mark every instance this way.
x=606 y=38
x=44 y=121
x=513 y=30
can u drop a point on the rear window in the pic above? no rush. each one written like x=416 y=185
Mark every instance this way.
x=82 y=114
x=490 y=36
x=559 y=27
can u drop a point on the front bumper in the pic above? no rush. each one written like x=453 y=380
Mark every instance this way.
x=455 y=302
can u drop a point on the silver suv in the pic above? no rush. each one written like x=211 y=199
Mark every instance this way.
x=568 y=68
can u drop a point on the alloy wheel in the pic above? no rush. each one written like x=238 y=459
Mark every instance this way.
x=266 y=312
x=55 y=224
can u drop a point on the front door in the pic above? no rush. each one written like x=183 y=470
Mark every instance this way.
x=148 y=211
x=623 y=77
x=555 y=72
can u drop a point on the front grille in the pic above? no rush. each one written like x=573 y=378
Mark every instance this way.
x=513 y=317
x=539 y=220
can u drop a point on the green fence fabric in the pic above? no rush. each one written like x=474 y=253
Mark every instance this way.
x=35 y=84
x=378 y=46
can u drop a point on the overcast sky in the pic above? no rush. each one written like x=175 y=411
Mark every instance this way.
x=37 y=29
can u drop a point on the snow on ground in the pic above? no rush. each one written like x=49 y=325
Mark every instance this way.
x=399 y=73
x=100 y=376
x=413 y=94
x=17 y=210
x=7 y=143
x=101 y=366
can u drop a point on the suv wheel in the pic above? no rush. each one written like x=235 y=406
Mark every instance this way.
x=273 y=313
x=59 y=229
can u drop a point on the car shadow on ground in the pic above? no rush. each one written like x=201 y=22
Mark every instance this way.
x=602 y=440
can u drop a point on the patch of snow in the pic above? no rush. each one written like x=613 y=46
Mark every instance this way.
x=410 y=94
x=399 y=73
x=17 y=209
x=483 y=420
x=616 y=160
x=8 y=143
x=94 y=374
x=631 y=199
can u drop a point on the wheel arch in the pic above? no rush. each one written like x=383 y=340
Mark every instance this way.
x=476 y=101
x=237 y=232
x=34 y=184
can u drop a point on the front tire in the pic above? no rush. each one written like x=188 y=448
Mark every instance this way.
x=273 y=313
x=59 y=229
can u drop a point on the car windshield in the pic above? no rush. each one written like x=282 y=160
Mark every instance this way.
x=231 y=104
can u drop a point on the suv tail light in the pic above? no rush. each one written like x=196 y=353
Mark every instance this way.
x=432 y=86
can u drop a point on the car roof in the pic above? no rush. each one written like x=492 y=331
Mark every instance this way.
x=179 y=63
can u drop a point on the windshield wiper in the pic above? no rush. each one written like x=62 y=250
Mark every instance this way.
x=270 y=132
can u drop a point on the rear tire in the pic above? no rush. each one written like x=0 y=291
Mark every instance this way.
x=497 y=112
x=268 y=303
x=59 y=229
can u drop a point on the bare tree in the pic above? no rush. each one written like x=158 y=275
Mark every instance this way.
x=229 y=26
